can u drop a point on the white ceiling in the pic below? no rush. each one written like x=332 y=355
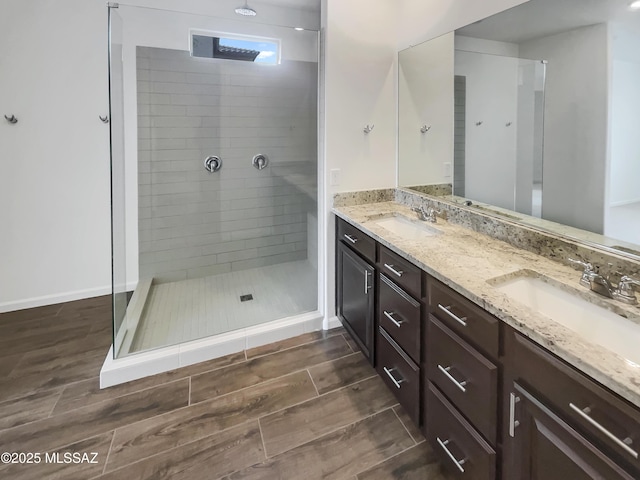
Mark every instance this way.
x=539 y=18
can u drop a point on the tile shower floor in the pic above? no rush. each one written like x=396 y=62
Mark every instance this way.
x=187 y=310
x=309 y=407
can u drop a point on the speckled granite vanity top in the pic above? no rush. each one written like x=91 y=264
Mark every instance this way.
x=468 y=261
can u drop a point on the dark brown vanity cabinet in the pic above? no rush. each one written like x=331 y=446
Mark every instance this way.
x=355 y=287
x=492 y=403
x=461 y=385
x=400 y=326
x=559 y=423
x=544 y=447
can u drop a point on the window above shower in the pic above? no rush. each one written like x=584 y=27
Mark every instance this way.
x=235 y=47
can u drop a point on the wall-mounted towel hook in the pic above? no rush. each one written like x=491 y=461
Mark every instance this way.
x=479 y=123
x=11 y=119
x=104 y=119
x=368 y=128
x=508 y=124
x=425 y=128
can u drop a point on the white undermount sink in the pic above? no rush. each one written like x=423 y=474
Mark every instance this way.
x=407 y=228
x=592 y=322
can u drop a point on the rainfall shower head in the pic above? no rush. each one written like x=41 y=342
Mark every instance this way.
x=246 y=10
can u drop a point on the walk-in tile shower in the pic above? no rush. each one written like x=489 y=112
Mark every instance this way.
x=214 y=175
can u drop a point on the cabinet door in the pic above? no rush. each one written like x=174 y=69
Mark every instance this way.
x=544 y=447
x=355 y=298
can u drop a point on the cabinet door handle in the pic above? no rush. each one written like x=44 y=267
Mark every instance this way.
x=392 y=269
x=460 y=385
x=351 y=238
x=389 y=315
x=513 y=423
x=458 y=463
x=462 y=321
x=367 y=287
x=584 y=413
x=389 y=372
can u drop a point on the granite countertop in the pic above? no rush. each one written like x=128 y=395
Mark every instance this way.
x=466 y=261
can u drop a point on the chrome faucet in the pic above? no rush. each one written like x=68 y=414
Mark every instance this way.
x=591 y=279
x=427 y=215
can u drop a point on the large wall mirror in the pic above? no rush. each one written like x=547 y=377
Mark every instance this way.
x=533 y=114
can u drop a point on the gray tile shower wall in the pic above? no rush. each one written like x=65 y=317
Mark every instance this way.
x=193 y=223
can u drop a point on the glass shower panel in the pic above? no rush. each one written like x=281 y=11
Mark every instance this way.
x=118 y=214
x=225 y=152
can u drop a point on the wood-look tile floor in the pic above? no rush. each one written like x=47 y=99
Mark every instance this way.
x=305 y=408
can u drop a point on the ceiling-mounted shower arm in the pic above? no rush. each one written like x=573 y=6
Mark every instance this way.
x=246 y=10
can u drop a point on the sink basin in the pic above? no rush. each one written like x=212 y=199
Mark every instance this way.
x=407 y=228
x=592 y=322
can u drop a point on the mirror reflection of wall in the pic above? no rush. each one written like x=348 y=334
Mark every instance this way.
x=499 y=101
x=571 y=154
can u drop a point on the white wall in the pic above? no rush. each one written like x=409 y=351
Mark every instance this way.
x=359 y=89
x=492 y=100
x=575 y=130
x=625 y=118
x=54 y=182
x=425 y=97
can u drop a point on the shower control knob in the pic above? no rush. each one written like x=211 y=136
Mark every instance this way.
x=212 y=164
x=260 y=161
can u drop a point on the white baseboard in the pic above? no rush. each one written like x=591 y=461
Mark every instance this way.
x=622 y=203
x=334 y=322
x=143 y=364
x=54 y=299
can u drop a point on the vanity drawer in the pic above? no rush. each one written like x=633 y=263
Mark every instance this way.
x=465 y=376
x=399 y=315
x=401 y=375
x=606 y=420
x=357 y=240
x=402 y=271
x=465 y=318
x=461 y=449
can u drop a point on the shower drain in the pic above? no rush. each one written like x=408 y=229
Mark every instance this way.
x=246 y=298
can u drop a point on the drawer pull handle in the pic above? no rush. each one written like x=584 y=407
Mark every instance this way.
x=389 y=372
x=460 y=385
x=389 y=315
x=367 y=287
x=458 y=463
x=392 y=269
x=351 y=238
x=584 y=413
x=513 y=423
x=462 y=321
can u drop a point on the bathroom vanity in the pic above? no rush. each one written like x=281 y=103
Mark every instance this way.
x=500 y=390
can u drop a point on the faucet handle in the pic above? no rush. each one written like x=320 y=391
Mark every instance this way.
x=587 y=274
x=586 y=265
x=625 y=291
x=627 y=283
